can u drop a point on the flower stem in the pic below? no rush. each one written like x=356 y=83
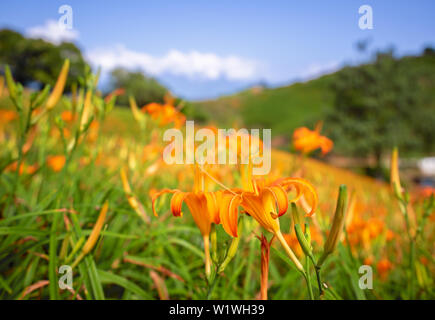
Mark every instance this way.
x=289 y=252
x=211 y=287
x=308 y=278
x=207 y=256
x=319 y=281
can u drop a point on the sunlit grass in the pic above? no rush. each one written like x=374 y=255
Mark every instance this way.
x=49 y=216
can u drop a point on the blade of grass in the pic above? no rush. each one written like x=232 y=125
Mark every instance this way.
x=52 y=263
x=108 y=277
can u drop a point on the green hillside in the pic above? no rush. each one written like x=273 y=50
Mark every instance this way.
x=285 y=108
x=281 y=109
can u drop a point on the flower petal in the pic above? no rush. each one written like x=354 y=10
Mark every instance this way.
x=281 y=199
x=303 y=187
x=212 y=205
x=228 y=212
x=175 y=205
x=177 y=202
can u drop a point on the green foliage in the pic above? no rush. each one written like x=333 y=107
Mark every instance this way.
x=144 y=89
x=407 y=83
x=35 y=61
x=383 y=104
x=284 y=109
x=281 y=109
x=191 y=112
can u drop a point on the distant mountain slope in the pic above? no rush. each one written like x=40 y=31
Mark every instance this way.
x=285 y=108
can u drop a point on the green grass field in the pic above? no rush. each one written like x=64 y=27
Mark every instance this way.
x=60 y=171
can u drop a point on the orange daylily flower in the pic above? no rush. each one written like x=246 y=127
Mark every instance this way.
x=68 y=116
x=202 y=205
x=7 y=116
x=265 y=203
x=368 y=260
x=152 y=150
x=114 y=93
x=389 y=235
x=24 y=168
x=424 y=260
x=306 y=140
x=362 y=231
x=426 y=192
x=164 y=114
x=56 y=163
x=93 y=131
x=384 y=266
x=151 y=107
x=293 y=242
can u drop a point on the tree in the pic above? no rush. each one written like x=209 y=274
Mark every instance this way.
x=429 y=51
x=380 y=105
x=37 y=62
x=144 y=89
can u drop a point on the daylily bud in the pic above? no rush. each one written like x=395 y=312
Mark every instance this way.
x=84 y=121
x=307 y=233
x=295 y=214
x=231 y=251
x=138 y=116
x=15 y=90
x=11 y=83
x=394 y=173
x=290 y=252
x=41 y=97
x=53 y=99
x=305 y=245
x=303 y=241
x=74 y=96
x=337 y=225
x=132 y=200
x=2 y=83
x=90 y=243
x=93 y=237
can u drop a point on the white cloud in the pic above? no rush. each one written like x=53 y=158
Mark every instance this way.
x=53 y=32
x=192 y=64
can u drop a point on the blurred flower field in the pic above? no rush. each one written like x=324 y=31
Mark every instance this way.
x=84 y=184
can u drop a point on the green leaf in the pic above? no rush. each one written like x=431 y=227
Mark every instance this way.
x=22 y=231
x=108 y=277
x=188 y=246
x=52 y=262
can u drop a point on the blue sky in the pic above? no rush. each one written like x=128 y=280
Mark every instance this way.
x=201 y=49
